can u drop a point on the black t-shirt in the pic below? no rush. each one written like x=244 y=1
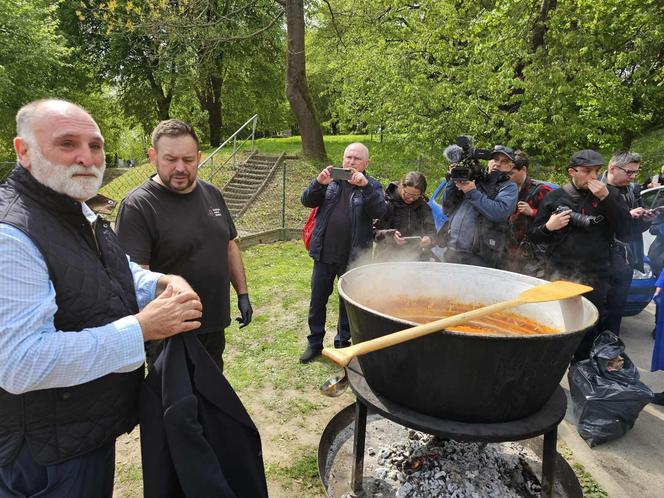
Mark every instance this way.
x=337 y=237
x=182 y=234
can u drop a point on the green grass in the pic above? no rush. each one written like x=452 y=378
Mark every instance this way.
x=303 y=472
x=590 y=487
x=129 y=479
x=389 y=161
x=265 y=353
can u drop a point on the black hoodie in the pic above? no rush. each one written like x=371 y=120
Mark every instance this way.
x=409 y=219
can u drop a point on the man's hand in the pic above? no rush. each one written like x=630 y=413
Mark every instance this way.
x=179 y=285
x=643 y=214
x=169 y=314
x=425 y=242
x=558 y=221
x=358 y=178
x=524 y=208
x=325 y=176
x=465 y=185
x=598 y=189
x=246 y=311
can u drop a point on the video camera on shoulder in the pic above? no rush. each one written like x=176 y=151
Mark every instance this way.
x=464 y=157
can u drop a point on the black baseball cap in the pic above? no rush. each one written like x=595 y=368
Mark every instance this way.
x=586 y=157
x=501 y=149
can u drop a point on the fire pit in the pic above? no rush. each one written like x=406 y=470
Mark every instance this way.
x=455 y=375
x=401 y=462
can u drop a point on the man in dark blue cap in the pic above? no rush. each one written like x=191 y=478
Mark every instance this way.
x=478 y=210
x=579 y=223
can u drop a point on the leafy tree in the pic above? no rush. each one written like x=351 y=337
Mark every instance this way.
x=160 y=51
x=33 y=60
x=536 y=74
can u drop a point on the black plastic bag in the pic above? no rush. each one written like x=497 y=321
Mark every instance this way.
x=606 y=401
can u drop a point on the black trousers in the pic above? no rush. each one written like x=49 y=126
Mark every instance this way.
x=87 y=476
x=619 y=282
x=322 y=285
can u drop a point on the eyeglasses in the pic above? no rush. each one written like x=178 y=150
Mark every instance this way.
x=628 y=172
x=408 y=195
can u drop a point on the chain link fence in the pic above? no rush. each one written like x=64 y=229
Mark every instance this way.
x=276 y=214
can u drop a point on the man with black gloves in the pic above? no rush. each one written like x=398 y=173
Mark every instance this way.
x=626 y=254
x=177 y=223
x=343 y=229
x=579 y=223
x=478 y=210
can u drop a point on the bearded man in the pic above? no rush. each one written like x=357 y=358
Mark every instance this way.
x=177 y=223
x=71 y=333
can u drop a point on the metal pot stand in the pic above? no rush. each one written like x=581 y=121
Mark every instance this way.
x=544 y=422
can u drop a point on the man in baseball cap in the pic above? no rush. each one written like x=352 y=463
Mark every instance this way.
x=502 y=159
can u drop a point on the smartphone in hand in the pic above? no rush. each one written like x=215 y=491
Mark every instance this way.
x=341 y=174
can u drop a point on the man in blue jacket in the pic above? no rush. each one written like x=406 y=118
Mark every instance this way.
x=479 y=209
x=343 y=229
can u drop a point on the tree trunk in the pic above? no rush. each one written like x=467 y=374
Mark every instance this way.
x=540 y=28
x=212 y=105
x=297 y=89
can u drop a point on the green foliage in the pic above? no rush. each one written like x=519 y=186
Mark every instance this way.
x=651 y=148
x=33 y=60
x=212 y=63
x=428 y=71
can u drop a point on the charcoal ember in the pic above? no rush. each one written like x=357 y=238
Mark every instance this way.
x=405 y=490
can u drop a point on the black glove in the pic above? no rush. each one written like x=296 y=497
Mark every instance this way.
x=245 y=308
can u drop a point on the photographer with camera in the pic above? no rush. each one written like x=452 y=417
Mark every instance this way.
x=579 y=223
x=478 y=203
x=347 y=201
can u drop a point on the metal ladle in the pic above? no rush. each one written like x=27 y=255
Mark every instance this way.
x=335 y=386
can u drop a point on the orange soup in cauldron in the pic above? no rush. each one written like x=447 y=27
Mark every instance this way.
x=424 y=310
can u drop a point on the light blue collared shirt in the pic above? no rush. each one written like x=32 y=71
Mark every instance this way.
x=33 y=354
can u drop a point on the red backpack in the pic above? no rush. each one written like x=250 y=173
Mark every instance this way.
x=309 y=228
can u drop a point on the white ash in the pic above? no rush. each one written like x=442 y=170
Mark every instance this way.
x=424 y=466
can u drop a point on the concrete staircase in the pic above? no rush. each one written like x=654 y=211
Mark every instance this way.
x=249 y=181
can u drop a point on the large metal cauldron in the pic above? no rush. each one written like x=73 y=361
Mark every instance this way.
x=461 y=376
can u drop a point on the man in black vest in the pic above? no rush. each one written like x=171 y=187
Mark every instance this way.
x=74 y=313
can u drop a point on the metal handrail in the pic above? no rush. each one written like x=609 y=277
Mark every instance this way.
x=253 y=119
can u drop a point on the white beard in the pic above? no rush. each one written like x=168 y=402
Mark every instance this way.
x=60 y=177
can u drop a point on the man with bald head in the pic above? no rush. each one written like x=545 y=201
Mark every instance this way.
x=343 y=229
x=74 y=313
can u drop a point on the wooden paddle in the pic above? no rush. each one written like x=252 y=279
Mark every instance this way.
x=552 y=291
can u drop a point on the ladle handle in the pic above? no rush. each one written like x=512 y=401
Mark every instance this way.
x=343 y=356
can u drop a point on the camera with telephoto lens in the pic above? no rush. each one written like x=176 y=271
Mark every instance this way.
x=464 y=157
x=579 y=220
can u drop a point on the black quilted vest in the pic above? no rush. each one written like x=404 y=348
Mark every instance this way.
x=93 y=286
